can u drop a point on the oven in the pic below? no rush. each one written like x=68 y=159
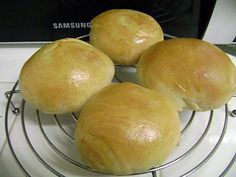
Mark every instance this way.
x=44 y=21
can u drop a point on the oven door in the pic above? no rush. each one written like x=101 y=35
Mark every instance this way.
x=43 y=21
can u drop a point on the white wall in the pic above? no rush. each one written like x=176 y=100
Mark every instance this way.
x=222 y=26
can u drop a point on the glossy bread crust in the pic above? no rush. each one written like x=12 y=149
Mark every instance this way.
x=61 y=76
x=126 y=128
x=191 y=72
x=123 y=34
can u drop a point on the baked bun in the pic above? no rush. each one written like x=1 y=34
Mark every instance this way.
x=61 y=76
x=123 y=34
x=126 y=128
x=193 y=73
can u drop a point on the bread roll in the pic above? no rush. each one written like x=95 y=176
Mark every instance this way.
x=61 y=76
x=126 y=128
x=123 y=34
x=193 y=73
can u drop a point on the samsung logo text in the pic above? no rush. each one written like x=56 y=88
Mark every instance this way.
x=72 y=25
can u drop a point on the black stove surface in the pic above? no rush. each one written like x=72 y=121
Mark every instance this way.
x=48 y=20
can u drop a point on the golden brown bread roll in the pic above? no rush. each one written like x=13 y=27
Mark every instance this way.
x=61 y=76
x=126 y=128
x=123 y=34
x=191 y=72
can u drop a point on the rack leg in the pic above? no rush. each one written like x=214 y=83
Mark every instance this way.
x=13 y=108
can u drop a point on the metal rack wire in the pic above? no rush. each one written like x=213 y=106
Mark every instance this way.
x=21 y=112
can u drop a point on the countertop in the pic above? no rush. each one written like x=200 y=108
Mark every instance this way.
x=12 y=57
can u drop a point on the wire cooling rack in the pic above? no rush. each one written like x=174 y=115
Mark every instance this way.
x=184 y=150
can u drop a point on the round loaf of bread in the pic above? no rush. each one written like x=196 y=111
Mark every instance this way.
x=126 y=128
x=193 y=73
x=61 y=76
x=124 y=34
